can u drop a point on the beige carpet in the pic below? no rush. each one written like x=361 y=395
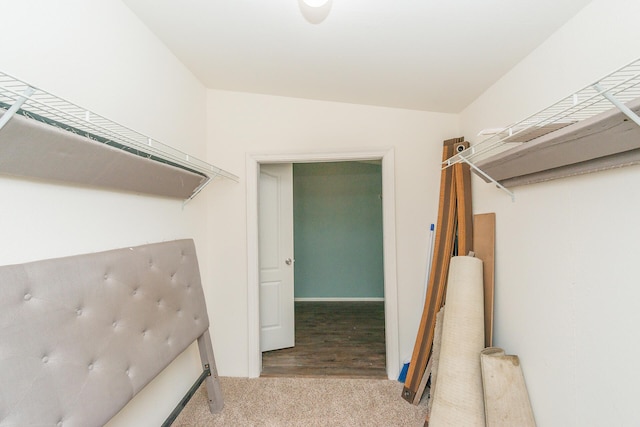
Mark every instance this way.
x=457 y=397
x=305 y=402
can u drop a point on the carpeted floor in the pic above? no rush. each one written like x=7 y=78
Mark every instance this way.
x=275 y=402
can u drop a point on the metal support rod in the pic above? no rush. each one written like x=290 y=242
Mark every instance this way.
x=481 y=172
x=16 y=106
x=183 y=402
x=623 y=108
x=198 y=190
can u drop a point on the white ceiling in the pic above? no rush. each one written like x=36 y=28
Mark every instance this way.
x=434 y=55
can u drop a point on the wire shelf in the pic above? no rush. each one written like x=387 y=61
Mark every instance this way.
x=17 y=96
x=613 y=90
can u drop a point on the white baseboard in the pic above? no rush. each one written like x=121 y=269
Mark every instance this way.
x=331 y=299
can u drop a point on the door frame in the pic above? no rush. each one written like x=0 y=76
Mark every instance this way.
x=387 y=156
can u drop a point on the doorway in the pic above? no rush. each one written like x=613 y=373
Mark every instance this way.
x=339 y=287
x=390 y=284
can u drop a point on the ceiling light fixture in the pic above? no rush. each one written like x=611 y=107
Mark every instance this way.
x=315 y=11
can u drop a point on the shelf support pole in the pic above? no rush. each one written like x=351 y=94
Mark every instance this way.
x=484 y=174
x=16 y=106
x=623 y=108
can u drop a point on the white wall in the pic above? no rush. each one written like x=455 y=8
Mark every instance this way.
x=567 y=274
x=241 y=123
x=97 y=54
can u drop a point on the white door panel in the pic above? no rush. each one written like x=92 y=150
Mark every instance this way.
x=275 y=223
x=270 y=305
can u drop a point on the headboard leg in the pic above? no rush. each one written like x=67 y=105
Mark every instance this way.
x=214 y=391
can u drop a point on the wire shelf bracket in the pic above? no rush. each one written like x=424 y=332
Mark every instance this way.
x=16 y=106
x=493 y=181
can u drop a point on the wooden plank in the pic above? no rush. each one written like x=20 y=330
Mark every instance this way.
x=484 y=232
x=443 y=248
x=462 y=177
x=463 y=217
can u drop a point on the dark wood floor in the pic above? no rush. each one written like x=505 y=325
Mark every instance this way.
x=342 y=339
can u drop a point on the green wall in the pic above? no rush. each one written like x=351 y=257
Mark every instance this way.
x=337 y=217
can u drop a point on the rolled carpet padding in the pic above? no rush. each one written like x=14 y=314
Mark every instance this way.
x=506 y=399
x=458 y=399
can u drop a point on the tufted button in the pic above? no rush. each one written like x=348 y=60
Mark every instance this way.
x=135 y=291
x=27 y=296
x=127 y=372
x=79 y=312
x=59 y=424
x=106 y=276
x=144 y=333
x=45 y=359
x=90 y=366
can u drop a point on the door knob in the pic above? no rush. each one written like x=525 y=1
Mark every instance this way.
x=288 y=261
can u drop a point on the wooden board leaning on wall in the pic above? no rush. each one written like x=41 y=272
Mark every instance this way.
x=454 y=213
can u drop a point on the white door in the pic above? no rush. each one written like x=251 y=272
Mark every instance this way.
x=275 y=234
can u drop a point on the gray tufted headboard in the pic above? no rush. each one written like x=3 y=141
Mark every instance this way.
x=81 y=335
